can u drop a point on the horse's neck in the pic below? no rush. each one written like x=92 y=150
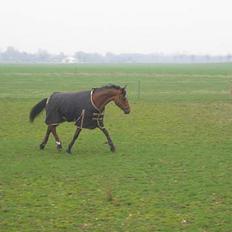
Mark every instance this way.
x=102 y=98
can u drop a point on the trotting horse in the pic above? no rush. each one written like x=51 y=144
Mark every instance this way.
x=85 y=108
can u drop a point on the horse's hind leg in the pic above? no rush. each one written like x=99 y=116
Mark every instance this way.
x=58 y=142
x=45 y=140
x=110 y=142
x=78 y=130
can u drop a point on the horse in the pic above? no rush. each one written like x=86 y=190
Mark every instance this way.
x=85 y=108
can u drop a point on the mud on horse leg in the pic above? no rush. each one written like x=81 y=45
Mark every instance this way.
x=109 y=140
x=45 y=140
x=78 y=130
x=58 y=142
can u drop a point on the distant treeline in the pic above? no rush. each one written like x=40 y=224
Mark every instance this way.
x=12 y=55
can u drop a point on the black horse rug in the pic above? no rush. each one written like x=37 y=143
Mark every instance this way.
x=73 y=107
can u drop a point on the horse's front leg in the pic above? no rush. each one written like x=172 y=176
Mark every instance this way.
x=45 y=140
x=58 y=142
x=109 y=140
x=77 y=132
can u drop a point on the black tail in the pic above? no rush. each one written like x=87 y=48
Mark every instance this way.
x=37 y=109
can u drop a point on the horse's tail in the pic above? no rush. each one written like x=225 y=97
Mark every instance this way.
x=38 y=108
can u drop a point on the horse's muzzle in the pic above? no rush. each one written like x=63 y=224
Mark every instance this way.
x=127 y=111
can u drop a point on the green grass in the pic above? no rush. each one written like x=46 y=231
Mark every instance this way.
x=172 y=169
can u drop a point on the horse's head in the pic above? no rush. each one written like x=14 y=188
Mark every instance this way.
x=121 y=100
x=102 y=96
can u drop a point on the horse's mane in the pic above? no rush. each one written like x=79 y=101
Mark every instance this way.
x=110 y=86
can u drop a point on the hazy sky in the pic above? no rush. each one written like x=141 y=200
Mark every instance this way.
x=119 y=26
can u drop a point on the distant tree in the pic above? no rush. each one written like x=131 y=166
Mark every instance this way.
x=11 y=55
x=43 y=56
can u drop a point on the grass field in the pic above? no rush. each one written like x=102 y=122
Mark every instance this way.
x=172 y=169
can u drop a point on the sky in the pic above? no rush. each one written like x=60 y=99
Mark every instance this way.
x=118 y=26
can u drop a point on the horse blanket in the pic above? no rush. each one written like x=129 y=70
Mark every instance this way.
x=75 y=107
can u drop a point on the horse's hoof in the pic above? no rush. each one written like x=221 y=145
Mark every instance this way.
x=41 y=146
x=59 y=147
x=113 y=149
x=69 y=152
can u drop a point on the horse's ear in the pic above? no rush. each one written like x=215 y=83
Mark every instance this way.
x=124 y=87
x=124 y=90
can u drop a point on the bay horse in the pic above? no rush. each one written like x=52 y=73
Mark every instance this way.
x=85 y=108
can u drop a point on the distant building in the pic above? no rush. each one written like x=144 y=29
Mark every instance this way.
x=69 y=60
